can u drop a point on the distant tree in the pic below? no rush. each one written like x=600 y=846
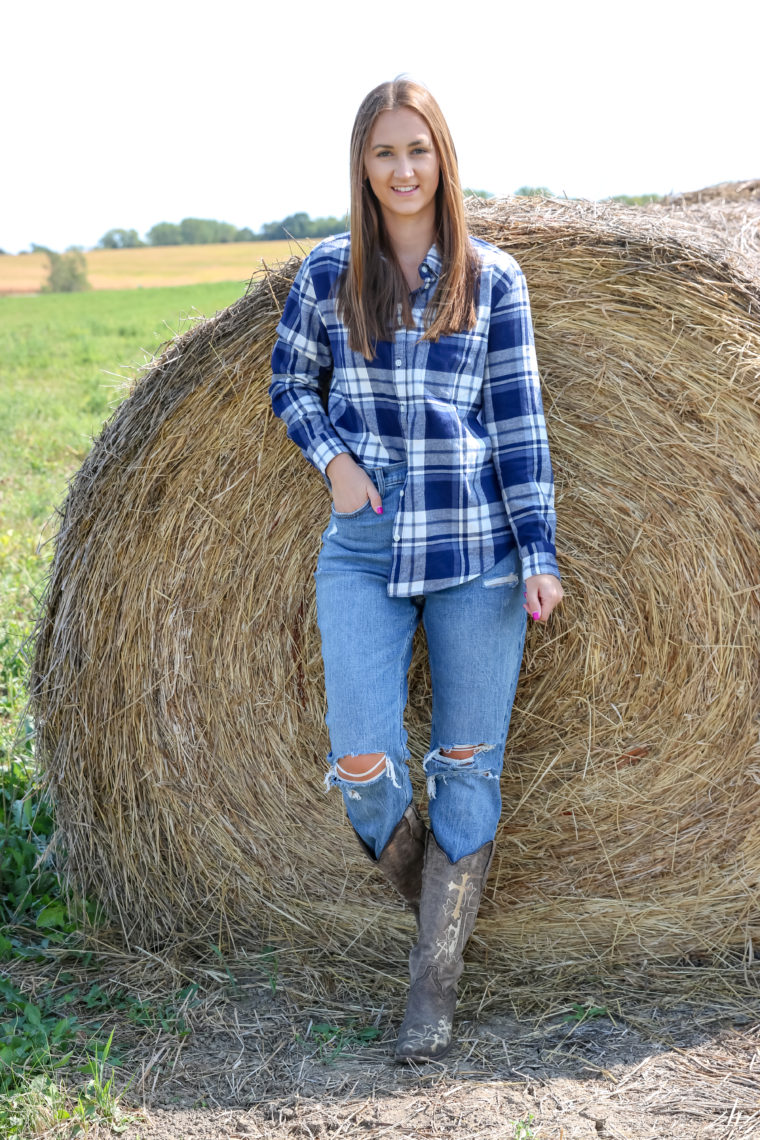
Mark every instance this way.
x=270 y=231
x=470 y=193
x=203 y=231
x=297 y=225
x=300 y=225
x=120 y=239
x=245 y=234
x=3 y=252
x=534 y=192
x=323 y=227
x=164 y=233
x=68 y=272
x=224 y=231
x=196 y=231
x=636 y=199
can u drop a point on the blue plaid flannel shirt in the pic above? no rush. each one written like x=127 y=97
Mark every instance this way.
x=464 y=413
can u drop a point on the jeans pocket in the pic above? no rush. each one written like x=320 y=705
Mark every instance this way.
x=351 y=514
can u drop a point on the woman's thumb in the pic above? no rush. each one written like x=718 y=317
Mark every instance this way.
x=374 y=497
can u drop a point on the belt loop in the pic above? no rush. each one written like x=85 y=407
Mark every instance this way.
x=379 y=480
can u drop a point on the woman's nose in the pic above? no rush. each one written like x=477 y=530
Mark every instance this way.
x=403 y=167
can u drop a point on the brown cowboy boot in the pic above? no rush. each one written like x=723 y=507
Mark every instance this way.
x=451 y=895
x=402 y=857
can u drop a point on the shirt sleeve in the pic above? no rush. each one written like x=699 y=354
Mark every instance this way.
x=513 y=414
x=301 y=360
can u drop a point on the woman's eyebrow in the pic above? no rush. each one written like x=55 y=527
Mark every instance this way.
x=389 y=146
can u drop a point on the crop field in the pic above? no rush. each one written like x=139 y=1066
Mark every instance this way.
x=151 y=266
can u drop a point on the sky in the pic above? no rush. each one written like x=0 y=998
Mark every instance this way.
x=128 y=115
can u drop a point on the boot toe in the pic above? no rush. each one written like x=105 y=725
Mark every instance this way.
x=423 y=1042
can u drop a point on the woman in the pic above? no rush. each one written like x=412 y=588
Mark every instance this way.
x=434 y=447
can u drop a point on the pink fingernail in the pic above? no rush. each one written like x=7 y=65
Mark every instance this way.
x=379 y=510
x=536 y=615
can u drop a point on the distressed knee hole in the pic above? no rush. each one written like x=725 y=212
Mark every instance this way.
x=357 y=769
x=456 y=760
x=462 y=751
x=350 y=772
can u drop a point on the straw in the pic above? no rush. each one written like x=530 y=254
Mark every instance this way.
x=177 y=683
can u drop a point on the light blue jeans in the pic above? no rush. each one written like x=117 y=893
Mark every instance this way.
x=475 y=634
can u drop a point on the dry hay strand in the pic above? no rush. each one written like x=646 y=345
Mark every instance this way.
x=729 y=213
x=177 y=683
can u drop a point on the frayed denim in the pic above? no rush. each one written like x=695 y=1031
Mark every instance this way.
x=475 y=634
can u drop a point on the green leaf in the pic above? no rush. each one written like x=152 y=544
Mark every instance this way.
x=33 y=1015
x=52 y=915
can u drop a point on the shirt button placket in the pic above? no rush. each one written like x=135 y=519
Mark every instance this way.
x=403 y=384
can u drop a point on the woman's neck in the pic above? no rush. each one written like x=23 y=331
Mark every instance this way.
x=410 y=240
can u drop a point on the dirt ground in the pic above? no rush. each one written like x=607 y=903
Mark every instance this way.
x=654 y=1054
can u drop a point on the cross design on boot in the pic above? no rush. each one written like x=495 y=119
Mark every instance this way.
x=448 y=946
x=461 y=889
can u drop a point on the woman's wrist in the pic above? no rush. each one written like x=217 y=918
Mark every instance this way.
x=344 y=461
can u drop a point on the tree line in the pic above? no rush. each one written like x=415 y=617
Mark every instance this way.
x=68 y=270
x=208 y=231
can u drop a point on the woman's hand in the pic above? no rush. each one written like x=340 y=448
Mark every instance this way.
x=542 y=593
x=351 y=487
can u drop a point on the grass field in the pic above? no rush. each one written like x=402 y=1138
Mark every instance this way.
x=65 y=363
x=151 y=266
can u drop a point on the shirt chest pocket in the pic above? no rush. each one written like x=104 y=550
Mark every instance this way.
x=454 y=369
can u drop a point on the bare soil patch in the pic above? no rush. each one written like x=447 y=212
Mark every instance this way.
x=660 y=1052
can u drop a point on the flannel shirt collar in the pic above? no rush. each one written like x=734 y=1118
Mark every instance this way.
x=431 y=265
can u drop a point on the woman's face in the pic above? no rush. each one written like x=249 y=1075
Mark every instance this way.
x=402 y=165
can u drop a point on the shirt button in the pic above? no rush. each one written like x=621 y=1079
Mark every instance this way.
x=398 y=363
x=396 y=536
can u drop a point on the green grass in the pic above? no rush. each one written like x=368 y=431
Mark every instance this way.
x=65 y=361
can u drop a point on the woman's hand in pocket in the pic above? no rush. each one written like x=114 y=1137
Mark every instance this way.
x=351 y=486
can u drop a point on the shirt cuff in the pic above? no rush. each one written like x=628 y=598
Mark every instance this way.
x=324 y=452
x=540 y=563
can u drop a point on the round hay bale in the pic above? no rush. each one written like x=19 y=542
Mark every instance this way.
x=177 y=684
x=749 y=190
x=729 y=212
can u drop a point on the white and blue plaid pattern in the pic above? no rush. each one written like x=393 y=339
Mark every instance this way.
x=464 y=413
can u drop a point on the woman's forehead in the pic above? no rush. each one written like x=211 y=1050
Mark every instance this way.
x=402 y=125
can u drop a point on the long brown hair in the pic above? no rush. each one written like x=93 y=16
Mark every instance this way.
x=373 y=286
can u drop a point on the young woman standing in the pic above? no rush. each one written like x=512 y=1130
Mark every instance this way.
x=434 y=446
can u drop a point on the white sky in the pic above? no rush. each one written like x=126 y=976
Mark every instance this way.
x=124 y=115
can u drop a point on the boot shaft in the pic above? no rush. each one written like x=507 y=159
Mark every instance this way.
x=402 y=857
x=451 y=894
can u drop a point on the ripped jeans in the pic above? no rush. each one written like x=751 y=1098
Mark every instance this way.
x=475 y=634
